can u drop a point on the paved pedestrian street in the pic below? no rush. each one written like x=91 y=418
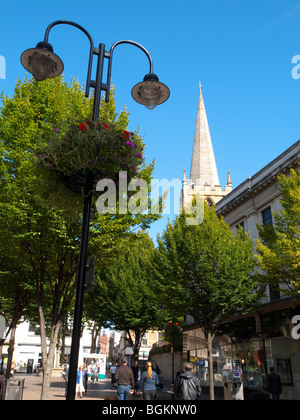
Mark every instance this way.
x=100 y=390
x=96 y=391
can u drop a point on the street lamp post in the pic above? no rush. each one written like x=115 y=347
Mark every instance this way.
x=43 y=63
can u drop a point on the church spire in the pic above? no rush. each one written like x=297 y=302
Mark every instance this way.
x=203 y=167
x=204 y=180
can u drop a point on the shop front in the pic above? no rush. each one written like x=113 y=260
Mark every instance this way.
x=243 y=352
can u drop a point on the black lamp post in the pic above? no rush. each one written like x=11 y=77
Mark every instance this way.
x=43 y=63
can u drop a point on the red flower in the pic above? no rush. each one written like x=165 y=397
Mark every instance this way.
x=106 y=126
x=126 y=134
x=83 y=127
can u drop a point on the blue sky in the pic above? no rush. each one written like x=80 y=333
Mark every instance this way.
x=240 y=50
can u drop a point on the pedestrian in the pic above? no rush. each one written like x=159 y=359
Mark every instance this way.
x=180 y=371
x=2 y=379
x=155 y=367
x=66 y=377
x=137 y=376
x=80 y=381
x=149 y=382
x=274 y=384
x=187 y=385
x=93 y=372
x=113 y=371
x=97 y=372
x=86 y=377
x=12 y=369
x=125 y=379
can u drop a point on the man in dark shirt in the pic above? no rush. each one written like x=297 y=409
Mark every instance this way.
x=274 y=384
x=125 y=379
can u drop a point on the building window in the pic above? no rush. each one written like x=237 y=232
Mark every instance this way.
x=34 y=329
x=144 y=340
x=268 y=221
x=274 y=292
x=241 y=225
x=267 y=217
x=209 y=202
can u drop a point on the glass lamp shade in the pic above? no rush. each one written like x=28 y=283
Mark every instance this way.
x=41 y=62
x=150 y=92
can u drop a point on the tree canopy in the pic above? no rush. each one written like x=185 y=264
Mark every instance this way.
x=124 y=292
x=279 y=247
x=40 y=224
x=205 y=271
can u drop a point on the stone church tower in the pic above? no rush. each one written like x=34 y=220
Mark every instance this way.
x=204 y=179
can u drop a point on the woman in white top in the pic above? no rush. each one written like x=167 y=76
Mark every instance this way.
x=80 y=382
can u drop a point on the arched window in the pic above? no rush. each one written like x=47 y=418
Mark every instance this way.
x=210 y=202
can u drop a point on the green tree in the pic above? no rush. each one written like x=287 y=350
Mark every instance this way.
x=205 y=271
x=32 y=232
x=279 y=247
x=40 y=227
x=123 y=294
x=15 y=298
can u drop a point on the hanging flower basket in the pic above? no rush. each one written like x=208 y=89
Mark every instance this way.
x=91 y=151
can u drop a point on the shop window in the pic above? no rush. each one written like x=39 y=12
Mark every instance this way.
x=250 y=359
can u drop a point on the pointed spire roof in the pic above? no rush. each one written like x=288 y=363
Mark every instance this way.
x=203 y=167
x=184 y=181
x=229 y=182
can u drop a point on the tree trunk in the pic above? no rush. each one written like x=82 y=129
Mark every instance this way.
x=47 y=370
x=18 y=311
x=135 y=344
x=209 y=340
x=63 y=341
x=47 y=356
x=94 y=332
x=10 y=350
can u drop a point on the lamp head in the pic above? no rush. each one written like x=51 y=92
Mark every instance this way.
x=41 y=62
x=150 y=92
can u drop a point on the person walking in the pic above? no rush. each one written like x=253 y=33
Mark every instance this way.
x=148 y=383
x=93 y=370
x=125 y=379
x=80 y=382
x=2 y=381
x=66 y=377
x=137 y=376
x=187 y=385
x=274 y=384
x=113 y=371
x=155 y=367
x=86 y=377
x=97 y=372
